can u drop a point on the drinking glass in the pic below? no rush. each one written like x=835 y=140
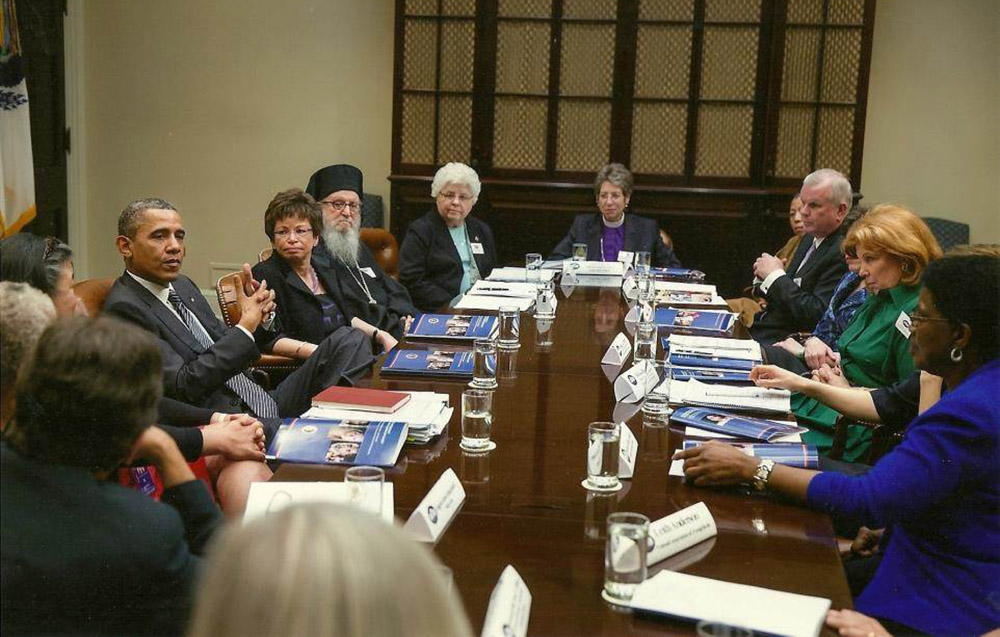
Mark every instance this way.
x=477 y=418
x=532 y=267
x=579 y=251
x=364 y=488
x=625 y=556
x=657 y=401
x=509 y=318
x=604 y=440
x=645 y=342
x=543 y=335
x=642 y=263
x=484 y=365
x=545 y=306
x=646 y=298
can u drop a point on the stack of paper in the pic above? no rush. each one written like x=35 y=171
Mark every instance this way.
x=266 y=498
x=493 y=303
x=675 y=293
x=427 y=415
x=760 y=399
x=761 y=610
x=712 y=359
x=519 y=274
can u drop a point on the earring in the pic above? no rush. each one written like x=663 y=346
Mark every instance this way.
x=956 y=355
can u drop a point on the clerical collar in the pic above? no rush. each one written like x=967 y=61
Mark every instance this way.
x=613 y=224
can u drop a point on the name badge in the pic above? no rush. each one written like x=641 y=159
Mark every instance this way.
x=635 y=383
x=797 y=281
x=434 y=513
x=628 y=448
x=618 y=351
x=903 y=324
x=368 y=271
x=510 y=606
x=678 y=531
x=477 y=248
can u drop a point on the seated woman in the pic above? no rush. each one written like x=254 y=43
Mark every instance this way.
x=802 y=352
x=306 y=293
x=937 y=491
x=610 y=230
x=446 y=250
x=894 y=246
x=322 y=570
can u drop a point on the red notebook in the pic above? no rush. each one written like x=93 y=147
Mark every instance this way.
x=378 y=400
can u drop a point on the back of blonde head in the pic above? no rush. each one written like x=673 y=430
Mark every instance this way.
x=321 y=570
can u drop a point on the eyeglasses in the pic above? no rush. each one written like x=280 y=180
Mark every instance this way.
x=340 y=205
x=917 y=318
x=298 y=232
x=448 y=196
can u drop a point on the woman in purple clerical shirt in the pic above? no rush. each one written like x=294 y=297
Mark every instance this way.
x=611 y=230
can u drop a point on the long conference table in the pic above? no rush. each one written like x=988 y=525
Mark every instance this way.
x=525 y=505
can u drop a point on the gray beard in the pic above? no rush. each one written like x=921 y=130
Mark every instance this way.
x=343 y=246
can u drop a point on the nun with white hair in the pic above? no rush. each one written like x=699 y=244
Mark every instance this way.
x=446 y=250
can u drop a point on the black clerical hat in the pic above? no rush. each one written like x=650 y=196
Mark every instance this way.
x=334 y=178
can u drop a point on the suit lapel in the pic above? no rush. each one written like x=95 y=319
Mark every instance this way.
x=163 y=315
x=444 y=236
x=800 y=253
x=630 y=241
x=594 y=229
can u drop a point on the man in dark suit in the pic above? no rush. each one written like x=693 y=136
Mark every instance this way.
x=204 y=363
x=80 y=554
x=797 y=296
x=366 y=291
x=611 y=230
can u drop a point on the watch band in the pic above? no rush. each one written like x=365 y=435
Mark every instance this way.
x=763 y=474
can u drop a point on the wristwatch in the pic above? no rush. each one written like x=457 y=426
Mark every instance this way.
x=763 y=474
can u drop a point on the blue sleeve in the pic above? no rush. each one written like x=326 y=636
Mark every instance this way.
x=943 y=449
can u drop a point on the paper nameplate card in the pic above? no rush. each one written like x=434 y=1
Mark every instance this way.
x=678 y=531
x=545 y=302
x=432 y=516
x=625 y=257
x=510 y=606
x=594 y=268
x=635 y=382
x=619 y=350
x=630 y=288
x=266 y=498
x=628 y=449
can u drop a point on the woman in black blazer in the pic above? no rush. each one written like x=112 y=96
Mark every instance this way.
x=305 y=288
x=446 y=251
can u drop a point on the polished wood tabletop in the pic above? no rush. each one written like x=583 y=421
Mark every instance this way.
x=525 y=505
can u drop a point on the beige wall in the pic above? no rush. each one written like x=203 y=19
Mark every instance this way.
x=216 y=105
x=932 y=138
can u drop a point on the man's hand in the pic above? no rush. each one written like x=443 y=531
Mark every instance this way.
x=250 y=284
x=853 y=624
x=715 y=464
x=407 y=321
x=254 y=308
x=866 y=542
x=790 y=345
x=238 y=437
x=156 y=447
x=817 y=353
x=765 y=265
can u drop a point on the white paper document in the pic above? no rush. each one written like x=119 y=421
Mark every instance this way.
x=493 y=303
x=694 y=432
x=518 y=289
x=744 y=349
x=693 y=392
x=758 y=609
x=678 y=531
x=434 y=513
x=678 y=293
x=270 y=497
x=510 y=606
x=426 y=413
x=595 y=268
x=518 y=274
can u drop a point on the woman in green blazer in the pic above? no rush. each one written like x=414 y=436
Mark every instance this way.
x=894 y=246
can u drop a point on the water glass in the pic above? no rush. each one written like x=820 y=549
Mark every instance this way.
x=604 y=440
x=657 y=401
x=579 y=251
x=644 y=348
x=646 y=298
x=625 y=555
x=545 y=300
x=543 y=335
x=642 y=264
x=509 y=318
x=484 y=365
x=532 y=267
x=364 y=488
x=477 y=418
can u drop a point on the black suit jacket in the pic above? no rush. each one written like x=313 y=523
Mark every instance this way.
x=641 y=235
x=429 y=264
x=392 y=302
x=798 y=307
x=191 y=373
x=88 y=557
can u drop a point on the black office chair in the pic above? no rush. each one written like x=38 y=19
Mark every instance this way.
x=948 y=233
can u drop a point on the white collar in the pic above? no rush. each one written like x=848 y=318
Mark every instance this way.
x=613 y=224
x=157 y=290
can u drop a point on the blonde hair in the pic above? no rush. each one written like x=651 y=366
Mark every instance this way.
x=322 y=570
x=24 y=314
x=898 y=232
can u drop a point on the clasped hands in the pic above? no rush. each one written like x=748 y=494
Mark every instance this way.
x=255 y=300
x=766 y=264
x=815 y=352
x=235 y=436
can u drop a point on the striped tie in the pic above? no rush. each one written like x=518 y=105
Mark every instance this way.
x=253 y=395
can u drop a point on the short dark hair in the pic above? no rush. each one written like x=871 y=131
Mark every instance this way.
x=37 y=261
x=86 y=393
x=618 y=175
x=293 y=202
x=131 y=216
x=966 y=289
